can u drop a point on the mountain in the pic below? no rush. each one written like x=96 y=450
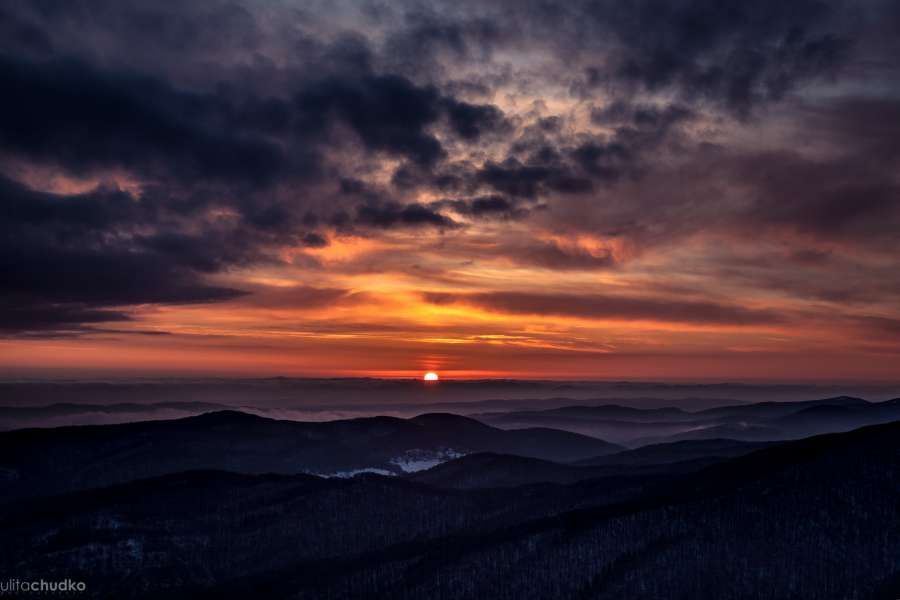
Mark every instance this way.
x=485 y=469
x=619 y=424
x=833 y=418
x=71 y=408
x=71 y=413
x=739 y=431
x=183 y=534
x=772 y=421
x=815 y=518
x=673 y=452
x=47 y=461
x=780 y=409
x=489 y=470
x=762 y=421
x=603 y=412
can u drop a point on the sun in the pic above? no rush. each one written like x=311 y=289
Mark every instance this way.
x=430 y=376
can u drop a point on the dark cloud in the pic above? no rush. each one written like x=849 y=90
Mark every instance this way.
x=422 y=38
x=471 y=121
x=514 y=178
x=639 y=132
x=641 y=126
x=601 y=307
x=489 y=206
x=552 y=255
x=22 y=316
x=84 y=118
x=301 y=297
x=197 y=150
x=314 y=240
x=392 y=114
x=18 y=33
x=577 y=166
x=67 y=257
x=391 y=214
x=375 y=210
x=735 y=54
x=603 y=160
x=388 y=112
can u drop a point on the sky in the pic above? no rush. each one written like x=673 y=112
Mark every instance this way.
x=647 y=189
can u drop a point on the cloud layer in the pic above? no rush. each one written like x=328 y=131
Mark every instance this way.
x=588 y=178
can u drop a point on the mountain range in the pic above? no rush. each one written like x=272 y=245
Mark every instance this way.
x=813 y=518
x=762 y=421
x=55 y=460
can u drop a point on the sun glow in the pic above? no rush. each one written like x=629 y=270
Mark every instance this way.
x=430 y=376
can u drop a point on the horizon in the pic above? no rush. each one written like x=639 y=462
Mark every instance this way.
x=54 y=403
x=81 y=376
x=313 y=397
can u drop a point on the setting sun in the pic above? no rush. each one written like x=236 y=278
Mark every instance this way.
x=430 y=376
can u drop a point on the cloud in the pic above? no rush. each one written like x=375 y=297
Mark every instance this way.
x=529 y=180
x=488 y=206
x=22 y=316
x=71 y=257
x=391 y=214
x=736 y=55
x=300 y=297
x=392 y=114
x=551 y=254
x=423 y=38
x=388 y=113
x=314 y=240
x=471 y=121
x=84 y=118
x=603 y=307
x=877 y=327
x=848 y=193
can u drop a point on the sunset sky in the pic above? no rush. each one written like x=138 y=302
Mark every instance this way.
x=608 y=189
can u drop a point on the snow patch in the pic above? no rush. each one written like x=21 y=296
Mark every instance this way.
x=412 y=461
x=354 y=472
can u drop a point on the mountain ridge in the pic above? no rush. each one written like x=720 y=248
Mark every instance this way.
x=39 y=461
x=415 y=541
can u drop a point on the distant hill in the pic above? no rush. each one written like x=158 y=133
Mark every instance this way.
x=658 y=454
x=763 y=421
x=43 y=461
x=489 y=470
x=779 y=409
x=603 y=412
x=816 y=518
x=70 y=413
x=486 y=469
